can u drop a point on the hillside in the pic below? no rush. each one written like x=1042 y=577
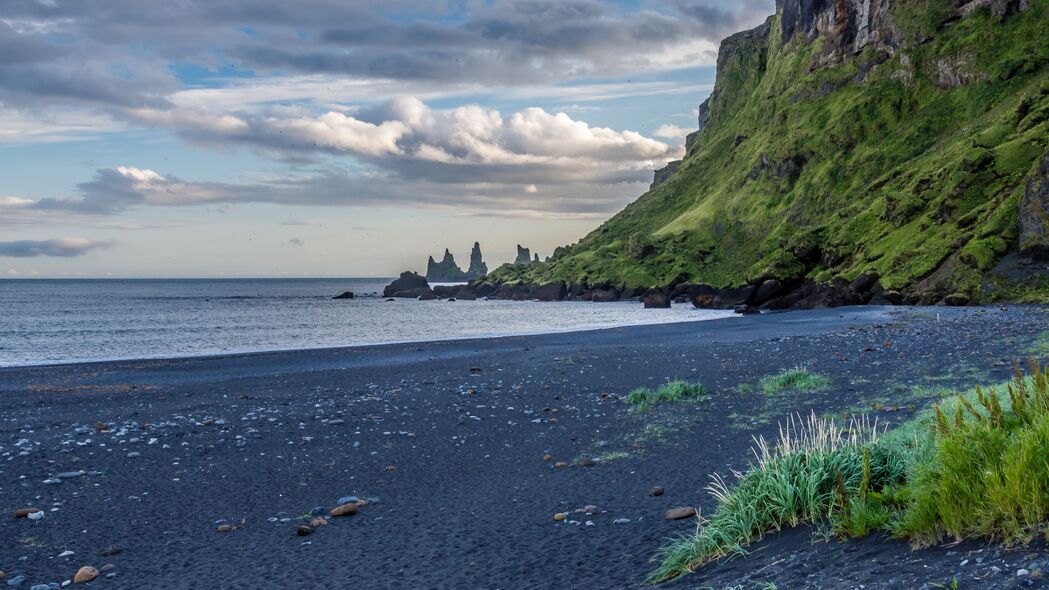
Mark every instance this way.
x=850 y=137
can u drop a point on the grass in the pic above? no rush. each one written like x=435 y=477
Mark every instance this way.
x=797 y=379
x=643 y=399
x=972 y=467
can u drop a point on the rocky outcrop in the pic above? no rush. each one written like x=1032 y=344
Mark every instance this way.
x=408 y=286
x=344 y=295
x=445 y=271
x=660 y=176
x=524 y=255
x=478 y=268
x=846 y=26
x=1034 y=216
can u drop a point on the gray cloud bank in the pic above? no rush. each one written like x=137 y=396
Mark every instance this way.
x=60 y=247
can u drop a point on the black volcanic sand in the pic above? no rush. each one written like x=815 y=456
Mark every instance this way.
x=447 y=441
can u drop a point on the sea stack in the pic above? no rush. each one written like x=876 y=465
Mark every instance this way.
x=478 y=268
x=445 y=271
x=524 y=256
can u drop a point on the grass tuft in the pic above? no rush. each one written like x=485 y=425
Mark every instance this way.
x=973 y=466
x=643 y=398
x=797 y=379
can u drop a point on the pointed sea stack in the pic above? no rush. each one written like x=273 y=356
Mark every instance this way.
x=478 y=268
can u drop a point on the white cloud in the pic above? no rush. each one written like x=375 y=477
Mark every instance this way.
x=671 y=132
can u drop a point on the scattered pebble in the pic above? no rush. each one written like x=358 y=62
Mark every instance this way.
x=560 y=516
x=24 y=512
x=679 y=513
x=225 y=528
x=656 y=491
x=304 y=531
x=85 y=574
x=344 y=510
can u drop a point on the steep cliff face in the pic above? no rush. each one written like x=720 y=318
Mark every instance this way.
x=846 y=137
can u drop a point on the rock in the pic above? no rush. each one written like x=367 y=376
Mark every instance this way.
x=478 y=268
x=586 y=462
x=16 y=581
x=445 y=271
x=555 y=291
x=767 y=291
x=560 y=465
x=70 y=474
x=524 y=256
x=664 y=173
x=429 y=296
x=656 y=491
x=345 y=295
x=408 y=282
x=223 y=528
x=864 y=283
x=1022 y=572
x=113 y=550
x=1034 y=216
x=560 y=516
x=465 y=295
x=451 y=299
x=318 y=522
x=348 y=500
x=654 y=299
x=303 y=531
x=24 y=512
x=2 y=575
x=956 y=300
x=85 y=575
x=745 y=310
x=547 y=457
x=101 y=426
x=591 y=509
x=621 y=521
x=107 y=567
x=604 y=295
x=35 y=515
x=40 y=587
x=344 y=510
x=679 y=513
x=134 y=455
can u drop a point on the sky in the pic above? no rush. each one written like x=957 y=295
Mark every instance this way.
x=259 y=138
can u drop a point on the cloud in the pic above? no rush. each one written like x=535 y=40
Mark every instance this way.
x=61 y=247
x=295 y=243
x=671 y=132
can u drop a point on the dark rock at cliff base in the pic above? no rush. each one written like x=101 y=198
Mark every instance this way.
x=746 y=309
x=864 y=283
x=767 y=291
x=428 y=296
x=604 y=295
x=408 y=283
x=707 y=297
x=555 y=291
x=1034 y=216
x=465 y=294
x=655 y=299
x=345 y=295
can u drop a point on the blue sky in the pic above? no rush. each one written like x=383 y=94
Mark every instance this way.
x=331 y=138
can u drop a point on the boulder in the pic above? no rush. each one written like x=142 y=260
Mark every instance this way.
x=555 y=291
x=864 y=283
x=655 y=299
x=465 y=294
x=768 y=290
x=955 y=300
x=484 y=289
x=407 y=282
x=1034 y=216
x=85 y=574
x=679 y=513
x=427 y=296
x=745 y=309
x=604 y=295
x=345 y=295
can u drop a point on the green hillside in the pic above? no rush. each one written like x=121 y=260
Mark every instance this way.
x=909 y=158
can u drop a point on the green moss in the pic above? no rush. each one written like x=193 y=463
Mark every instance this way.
x=799 y=379
x=887 y=173
x=643 y=399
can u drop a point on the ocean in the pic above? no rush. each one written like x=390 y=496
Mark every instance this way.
x=56 y=321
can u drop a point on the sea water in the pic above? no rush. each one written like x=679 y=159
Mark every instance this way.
x=53 y=321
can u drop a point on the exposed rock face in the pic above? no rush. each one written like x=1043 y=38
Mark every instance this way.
x=847 y=26
x=524 y=256
x=478 y=268
x=445 y=271
x=664 y=173
x=1034 y=216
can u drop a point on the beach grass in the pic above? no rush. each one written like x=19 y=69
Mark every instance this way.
x=973 y=466
x=796 y=379
x=643 y=398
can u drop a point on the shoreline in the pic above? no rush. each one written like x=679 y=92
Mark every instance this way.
x=727 y=315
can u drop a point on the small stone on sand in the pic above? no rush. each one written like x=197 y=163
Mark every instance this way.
x=560 y=516
x=24 y=512
x=344 y=510
x=304 y=531
x=547 y=457
x=85 y=575
x=679 y=513
x=656 y=491
x=225 y=528
x=319 y=521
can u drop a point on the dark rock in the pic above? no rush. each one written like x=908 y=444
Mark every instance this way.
x=707 y=297
x=745 y=309
x=1034 y=216
x=478 y=268
x=408 y=282
x=663 y=174
x=465 y=295
x=767 y=291
x=445 y=271
x=864 y=282
x=656 y=491
x=345 y=295
x=679 y=513
x=956 y=300
x=304 y=531
x=555 y=291
x=428 y=296
x=452 y=299
x=654 y=299
x=604 y=295
x=524 y=256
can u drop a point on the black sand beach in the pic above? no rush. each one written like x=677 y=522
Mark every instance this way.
x=446 y=442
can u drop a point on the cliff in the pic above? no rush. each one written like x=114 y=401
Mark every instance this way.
x=849 y=138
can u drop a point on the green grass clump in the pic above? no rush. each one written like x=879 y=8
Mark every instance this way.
x=973 y=467
x=799 y=379
x=643 y=398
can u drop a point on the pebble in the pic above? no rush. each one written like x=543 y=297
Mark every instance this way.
x=656 y=491
x=133 y=454
x=304 y=531
x=345 y=510
x=85 y=575
x=70 y=474
x=40 y=587
x=24 y=512
x=560 y=465
x=35 y=515
x=621 y=521
x=16 y=581
x=547 y=457
x=107 y=567
x=560 y=516
x=225 y=528
x=587 y=462
x=2 y=575
x=1022 y=572
x=591 y=509
x=66 y=553
x=319 y=521
x=348 y=500
x=679 y=513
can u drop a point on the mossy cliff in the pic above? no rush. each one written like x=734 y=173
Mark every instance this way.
x=847 y=137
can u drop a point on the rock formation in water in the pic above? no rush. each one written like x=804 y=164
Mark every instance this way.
x=478 y=268
x=445 y=271
x=524 y=256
